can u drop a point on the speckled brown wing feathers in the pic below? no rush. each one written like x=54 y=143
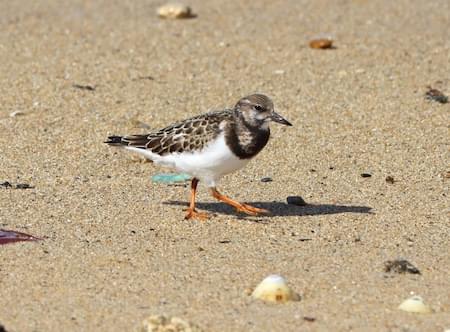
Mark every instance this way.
x=189 y=135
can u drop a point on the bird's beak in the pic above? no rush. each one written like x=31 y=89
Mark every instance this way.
x=278 y=118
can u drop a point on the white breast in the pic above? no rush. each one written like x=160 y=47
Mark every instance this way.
x=209 y=164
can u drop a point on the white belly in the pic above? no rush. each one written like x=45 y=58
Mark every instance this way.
x=208 y=165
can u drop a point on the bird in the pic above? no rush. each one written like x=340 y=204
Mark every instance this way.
x=209 y=146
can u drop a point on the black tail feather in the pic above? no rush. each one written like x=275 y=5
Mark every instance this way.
x=115 y=141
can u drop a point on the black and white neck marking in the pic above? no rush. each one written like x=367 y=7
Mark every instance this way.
x=245 y=140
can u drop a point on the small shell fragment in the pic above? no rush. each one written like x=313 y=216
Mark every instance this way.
x=171 y=178
x=414 y=304
x=174 y=11
x=274 y=289
x=162 y=323
x=322 y=43
x=14 y=114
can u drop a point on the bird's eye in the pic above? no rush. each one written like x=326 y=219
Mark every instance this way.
x=258 y=108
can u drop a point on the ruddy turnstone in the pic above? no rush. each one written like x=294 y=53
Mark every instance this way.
x=210 y=145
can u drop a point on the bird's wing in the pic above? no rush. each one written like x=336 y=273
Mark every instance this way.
x=186 y=136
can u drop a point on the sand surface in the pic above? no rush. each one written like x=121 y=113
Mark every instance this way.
x=116 y=246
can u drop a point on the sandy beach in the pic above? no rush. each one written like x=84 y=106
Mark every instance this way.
x=115 y=246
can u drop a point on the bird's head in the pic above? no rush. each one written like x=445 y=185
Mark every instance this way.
x=257 y=111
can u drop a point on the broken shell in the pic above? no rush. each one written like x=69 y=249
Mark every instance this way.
x=414 y=304
x=274 y=289
x=175 y=10
x=322 y=43
x=162 y=323
x=14 y=114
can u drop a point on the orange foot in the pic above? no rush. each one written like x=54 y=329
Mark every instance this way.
x=193 y=214
x=251 y=210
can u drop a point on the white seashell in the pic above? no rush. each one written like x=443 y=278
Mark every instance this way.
x=414 y=304
x=274 y=289
x=175 y=10
x=162 y=323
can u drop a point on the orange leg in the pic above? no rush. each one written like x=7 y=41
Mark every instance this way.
x=241 y=207
x=191 y=212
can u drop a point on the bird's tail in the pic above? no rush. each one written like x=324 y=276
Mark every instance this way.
x=115 y=141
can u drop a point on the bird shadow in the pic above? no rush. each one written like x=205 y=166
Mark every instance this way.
x=280 y=209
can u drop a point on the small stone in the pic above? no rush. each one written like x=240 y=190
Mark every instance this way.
x=390 y=179
x=400 y=266
x=309 y=319
x=321 y=43
x=266 y=179
x=436 y=95
x=2 y=328
x=84 y=87
x=6 y=184
x=296 y=200
x=366 y=175
x=175 y=11
x=414 y=304
x=162 y=323
x=279 y=72
x=23 y=186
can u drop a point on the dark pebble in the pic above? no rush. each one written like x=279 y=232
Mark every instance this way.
x=309 y=319
x=6 y=184
x=296 y=200
x=436 y=95
x=400 y=266
x=150 y=78
x=366 y=175
x=84 y=87
x=390 y=179
x=266 y=179
x=23 y=186
x=2 y=328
